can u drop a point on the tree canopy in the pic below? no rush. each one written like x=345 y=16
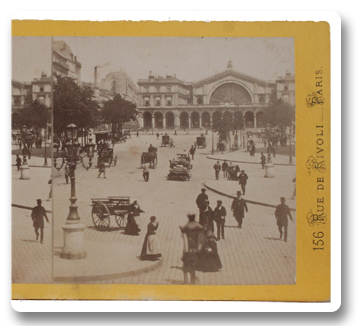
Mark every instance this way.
x=225 y=122
x=74 y=104
x=117 y=111
x=280 y=114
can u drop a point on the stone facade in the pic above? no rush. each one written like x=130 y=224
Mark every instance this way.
x=170 y=103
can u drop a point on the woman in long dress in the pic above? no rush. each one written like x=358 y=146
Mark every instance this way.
x=131 y=227
x=150 y=249
x=208 y=258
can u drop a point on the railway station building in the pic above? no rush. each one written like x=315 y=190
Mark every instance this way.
x=170 y=103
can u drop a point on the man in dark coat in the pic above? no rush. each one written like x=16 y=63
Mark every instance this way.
x=219 y=215
x=263 y=160
x=201 y=201
x=18 y=162
x=217 y=168
x=37 y=215
x=192 y=151
x=238 y=207
x=206 y=218
x=282 y=212
x=225 y=169
x=243 y=181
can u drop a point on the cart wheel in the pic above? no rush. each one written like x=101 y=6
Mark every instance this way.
x=115 y=160
x=101 y=216
x=121 y=220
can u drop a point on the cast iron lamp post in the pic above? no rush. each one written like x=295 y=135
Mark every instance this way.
x=24 y=168
x=290 y=136
x=73 y=228
x=212 y=142
x=269 y=168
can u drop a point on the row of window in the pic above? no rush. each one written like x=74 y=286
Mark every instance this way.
x=158 y=89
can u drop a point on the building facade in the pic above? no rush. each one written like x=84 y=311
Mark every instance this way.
x=41 y=90
x=169 y=103
x=19 y=93
x=65 y=63
x=119 y=82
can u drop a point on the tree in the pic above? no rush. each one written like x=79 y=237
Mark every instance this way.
x=117 y=111
x=74 y=104
x=223 y=124
x=280 y=115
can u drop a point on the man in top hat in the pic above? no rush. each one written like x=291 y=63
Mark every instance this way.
x=225 y=168
x=243 y=181
x=37 y=215
x=282 y=212
x=238 y=207
x=201 y=201
x=219 y=215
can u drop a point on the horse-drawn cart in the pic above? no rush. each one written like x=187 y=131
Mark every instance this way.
x=201 y=142
x=165 y=141
x=103 y=208
x=106 y=154
x=179 y=172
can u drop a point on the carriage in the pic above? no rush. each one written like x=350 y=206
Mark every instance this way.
x=165 y=140
x=179 y=172
x=181 y=159
x=149 y=157
x=106 y=154
x=201 y=142
x=104 y=208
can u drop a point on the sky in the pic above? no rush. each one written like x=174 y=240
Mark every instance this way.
x=190 y=58
x=30 y=57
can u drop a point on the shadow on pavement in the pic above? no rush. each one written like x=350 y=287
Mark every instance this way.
x=278 y=239
x=29 y=240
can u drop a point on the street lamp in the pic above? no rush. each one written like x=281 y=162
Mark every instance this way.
x=45 y=136
x=73 y=228
x=269 y=168
x=24 y=168
x=212 y=142
x=290 y=137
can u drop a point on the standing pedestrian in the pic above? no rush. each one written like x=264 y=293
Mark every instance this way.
x=192 y=151
x=225 y=169
x=192 y=233
x=243 y=181
x=217 y=167
x=201 y=201
x=101 y=168
x=294 y=191
x=18 y=162
x=219 y=215
x=150 y=249
x=238 y=207
x=175 y=132
x=67 y=173
x=157 y=135
x=281 y=214
x=263 y=160
x=171 y=143
x=50 y=182
x=146 y=172
x=137 y=133
x=206 y=218
x=253 y=150
x=37 y=215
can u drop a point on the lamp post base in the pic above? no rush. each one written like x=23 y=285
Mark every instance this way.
x=269 y=170
x=290 y=161
x=73 y=241
x=24 y=172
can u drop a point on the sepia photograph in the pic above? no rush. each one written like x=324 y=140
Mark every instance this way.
x=174 y=161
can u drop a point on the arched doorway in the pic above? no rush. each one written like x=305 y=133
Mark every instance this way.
x=184 y=120
x=169 y=120
x=206 y=120
x=147 y=120
x=249 y=119
x=158 y=120
x=260 y=123
x=195 y=120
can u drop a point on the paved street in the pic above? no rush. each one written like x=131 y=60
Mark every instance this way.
x=251 y=255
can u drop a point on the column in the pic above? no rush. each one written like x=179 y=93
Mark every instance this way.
x=176 y=121
x=200 y=120
x=164 y=126
x=153 y=125
x=254 y=121
x=210 y=120
x=189 y=122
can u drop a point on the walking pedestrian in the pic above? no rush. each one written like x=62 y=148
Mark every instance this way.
x=192 y=151
x=263 y=160
x=201 y=201
x=238 y=207
x=132 y=227
x=101 y=168
x=50 y=182
x=146 y=172
x=67 y=173
x=294 y=191
x=243 y=177
x=37 y=215
x=18 y=162
x=281 y=213
x=206 y=218
x=192 y=233
x=217 y=167
x=219 y=215
x=150 y=249
x=171 y=142
x=175 y=132
x=225 y=169
x=157 y=135
x=137 y=133
x=253 y=150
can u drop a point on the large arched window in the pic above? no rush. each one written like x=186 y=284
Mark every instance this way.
x=230 y=93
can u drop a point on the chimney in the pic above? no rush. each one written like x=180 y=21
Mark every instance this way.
x=96 y=76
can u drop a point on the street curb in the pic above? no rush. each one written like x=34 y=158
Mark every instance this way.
x=36 y=166
x=105 y=277
x=27 y=207
x=222 y=159
x=247 y=201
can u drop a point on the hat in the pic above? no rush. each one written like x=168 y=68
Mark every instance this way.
x=239 y=193
x=283 y=198
x=242 y=171
x=39 y=200
x=203 y=189
x=219 y=201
